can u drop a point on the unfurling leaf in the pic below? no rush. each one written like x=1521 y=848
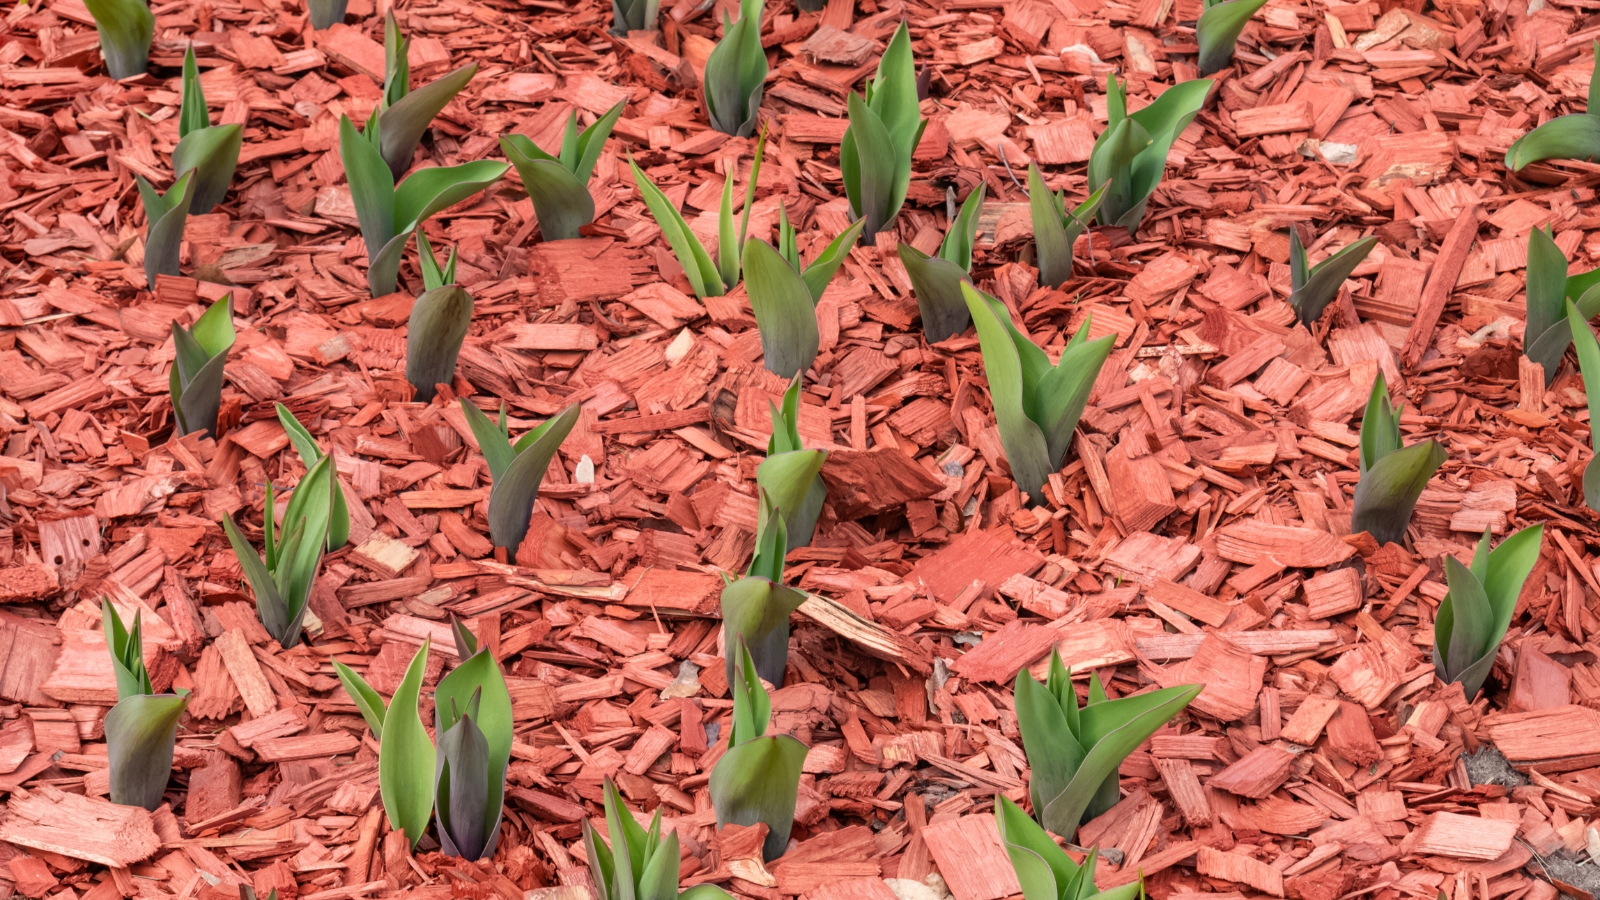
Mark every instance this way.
x=1392 y=478
x=785 y=313
x=200 y=353
x=1567 y=137
x=634 y=15
x=936 y=280
x=164 y=215
x=1074 y=753
x=283 y=576
x=736 y=72
x=758 y=778
x=756 y=608
x=559 y=185
x=639 y=864
x=1055 y=229
x=783 y=473
x=516 y=470
x=1474 y=615
x=369 y=701
x=472 y=716
x=1312 y=288
x=210 y=151
x=1044 y=870
x=885 y=126
x=1547 y=335
x=820 y=271
x=1036 y=405
x=389 y=214
x=326 y=13
x=707 y=278
x=126 y=29
x=438 y=325
x=1588 y=350
x=406 y=114
x=1131 y=154
x=141 y=728
x=310 y=452
x=1219 y=28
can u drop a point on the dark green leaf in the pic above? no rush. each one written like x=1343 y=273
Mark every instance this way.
x=867 y=159
x=560 y=201
x=791 y=480
x=1588 y=351
x=126 y=28
x=936 y=283
x=1053 y=751
x=1380 y=426
x=165 y=215
x=626 y=16
x=1027 y=453
x=461 y=791
x=735 y=73
x=1324 y=279
x=270 y=605
x=784 y=310
x=306 y=446
x=192 y=113
x=466 y=641
x=492 y=440
x=514 y=490
x=406 y=120
x=438 y=324
x=127 y=652
x=326 y=13
x=1388 y=491
x=1219 y=28
x=371 y=187
x=140 y=731
x=1471 y=618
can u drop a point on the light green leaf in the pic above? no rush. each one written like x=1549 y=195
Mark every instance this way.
x=1380 y=426
x=820 y=272
x=326 y=13
x=126 y=29
x=1219 y=28
x=1027 y=452
x=757 y=610
x=405 y=121
x=492 y=440
x=736 y=72
x=367 y=700
x=1568 y=137
x=406 y=757
x=702 y=273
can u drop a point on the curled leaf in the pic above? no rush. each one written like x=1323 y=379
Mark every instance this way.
x=438 y=324
x=200 y=353
x=1219 y=28
x=140 y=731
x=126 y=29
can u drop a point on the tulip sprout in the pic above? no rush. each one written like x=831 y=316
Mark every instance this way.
x=310 y=454
x=1044 y=870
x=199 y=355
x=389 y=214
x=439 y=322
x=1074 y=753
x=1547 y=335
x=784 y=296
x=403 y=114
x=936 y=280
x=736 y=72
x=126 y=29
x=326 y=13
x=634 y=15
x=517 y=469
x=1474 y=615
x=1312 y=288
x=638 y=864
x=1036 y=405
x=758 y=778
x=1565 y=137
x=282 y=579
x=1392 y=477
x=756 y=608
x=1588 y=350
x=407 y=762
x=790 y=473
x=1055 y=229
x=1131 y=154
x=559 y=185
x=142 y=727
x=1218 y=29
x=885 y=126
x=707 y=278
x=165 y=215
x=211 y=151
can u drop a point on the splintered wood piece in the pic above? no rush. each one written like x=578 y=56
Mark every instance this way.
x=1305 y=726
x=1257 y=774
x=1461 y=837
x=977 y=555
x=1004 y=653
x=1239 y=869
x=1231 y=675
x=874 y=481
x=871 y=637
x=79 y=827
x=1333 y=593
x=1187 y=794
x=1350 y=735
x=1441 y=281
x=1253 y=542
x=246 y=673
x=1540 y=682
x=1562 y=739
x=972 y=858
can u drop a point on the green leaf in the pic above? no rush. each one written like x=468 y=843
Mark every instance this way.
x=820 y=272
x=1324 y=279
x=1053 y=751
x=957 y=244
x=591 y=142
x=371 y=187
x=1111 y=170
x=793 y=482
x=433 y=274
x=1049 y=231
x=893 y=96
x=1124 y=728
x=126 y=29
x=702 y=273
x=786 y=422
x=423 y=193
x=432 y=190
x=468 y=827
x=1388 y=491
x=758 y=778
x=396 y=63
x=140 y=731
x=405 y=121
x=936 y=283
x=326 y=13
x=192 y=113
x=1133 y=159
x=736 y=72
x=1219 y=28
x=195 y=381
x=1063 y=391
x=212 y=155
x=1380 y=426
x=560 y=193
x=406 y=757
x=1043 y=868
x=867 y=160
x=1470 y=617
x=367 y=700
x=1547 y=335
x=1568 y=137
x=784 y=311
x=1508 y=568
x=166 y=215
x=513 y=492
x=757 y=610
x=492 y=440
x=1027 y=452
x=127 y=652
x=438 y=324
x=479 y=677
x=306 y=446
x=1588 y=350
x=270 y=605
x=626 y=16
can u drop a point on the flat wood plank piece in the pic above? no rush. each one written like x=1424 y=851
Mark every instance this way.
x=1188 y=601
x=79 y=827
x=1562 y=739
x=976 y=555
x=1239 y=869
x=306 y=746
x=1305 y=726
x=1462 y=837
x=1257 y=774
x=874 y=481
x=1004 y=653
x=1441 y=282
x=1253 y=541
x=674 y=591
x=246 y=673
x=972 y=858
x=836 y=888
